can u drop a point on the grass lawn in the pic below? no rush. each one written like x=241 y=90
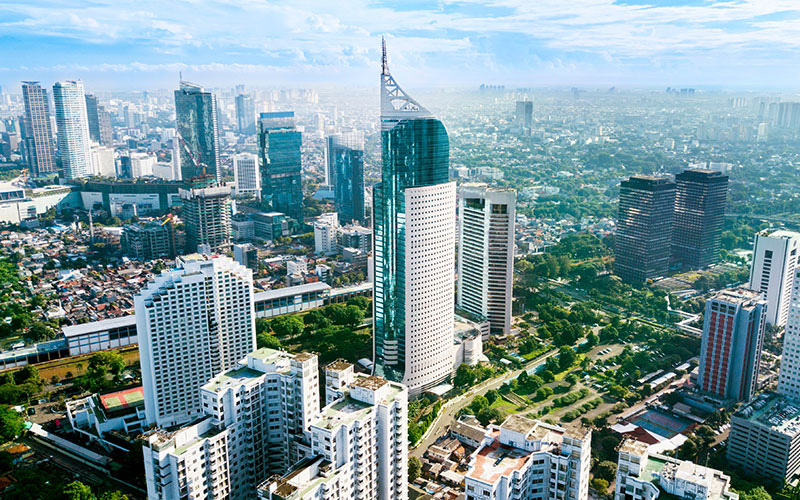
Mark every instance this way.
x=506 y=407
x=60 y=367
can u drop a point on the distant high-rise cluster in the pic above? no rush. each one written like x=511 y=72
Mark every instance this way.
x=664 y=225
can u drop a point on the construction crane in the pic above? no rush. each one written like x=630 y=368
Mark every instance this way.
x=169 y=219
x=197 y=165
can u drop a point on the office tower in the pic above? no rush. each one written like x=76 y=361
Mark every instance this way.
x=414 y=211
x=245 y=114
x=280 y=143
x=261 y=407
x=270 y=226
x=194 y=322
x=764 y=441
x=148 y=241
x=644 y=228
x=246 y=175
x=345 y=172
x=359 y=447
x=206 y=217
x=772 y=271
x=700 y=200
x=99 y=121
x=524 y=114
x=197 y=132
x=733 y=329
x=325 y=234
x=789 y=374
x=74 y=143
x=103 y=162
x=642 y=475
x=526 y=458
x=38 y=135
x=486 y=253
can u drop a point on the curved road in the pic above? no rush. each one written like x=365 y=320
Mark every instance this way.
x=449 y=409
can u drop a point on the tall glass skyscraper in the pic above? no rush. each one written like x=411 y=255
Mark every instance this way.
x=38 y=133
x=197 y=131
x=74 y=143
x=99 y=121
x=345 y=158
x=245 y=114
x=414 y=214
x=280 y=142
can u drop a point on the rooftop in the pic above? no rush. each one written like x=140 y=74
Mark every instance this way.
x=775 y=411
x=231 y=379
x=99 y=326
x=372 y=383
x=290 y=291
x=122 y=400
x=737 y=296
x=339 y=365
x=494 y=461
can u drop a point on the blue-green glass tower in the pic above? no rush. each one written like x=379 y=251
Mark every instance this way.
x=198 y=134
x=280 y=142
x=415 y=152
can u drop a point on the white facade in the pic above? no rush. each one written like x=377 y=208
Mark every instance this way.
x=772 y=271
x=103 y=161
x=360 y=442
x=296 y=266
x=642 y=475
x=246 y=174
x=325 y=238
x=142 y=164
x=486 y=253
x=264 y=408
x=74 y=142
x=429 y=298
x=193 y=323
x=789 y=374
x=529 y=459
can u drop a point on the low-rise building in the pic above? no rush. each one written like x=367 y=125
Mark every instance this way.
x=642 y=475
x=524 y=458
x=99 y=414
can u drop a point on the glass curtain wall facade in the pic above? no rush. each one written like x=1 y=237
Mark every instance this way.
x=700 y=200
x=198 y=134
x=280 y=142
x=346 y=163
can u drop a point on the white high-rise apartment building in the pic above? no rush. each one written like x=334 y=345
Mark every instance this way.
x=246 y=174
x=526 y=458
x=486 y=253
x=642 y=475
x=72 y=123
x=359 y=445
x=775 y=257
x=257 y=417
x=789 y=374
x=193 y=322
x=103 y=161
x=325 y=234
x=142 y=164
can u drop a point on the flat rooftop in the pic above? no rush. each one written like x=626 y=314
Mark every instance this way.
x=338 y=365
x=290 y=291
x=520 y=424
x=231 y=379
x=495 y=460
x=774 y=411
x=122 y=400
x=99 y=326
x=737 y=296
x=372 y=382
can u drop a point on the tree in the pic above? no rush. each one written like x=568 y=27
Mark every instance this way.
x=287 y=326
x=414 y=469
x=266 y=340
x=465 y=376
x=76 y=490
x=11 y=424
x=262 y=325
x=571 y=379
x=757 y=493
x=606 y=470
x=592 y=340
x=478 y=403
x=492 y=395
x=488 y=415
x=566 y=357
x=600 y=486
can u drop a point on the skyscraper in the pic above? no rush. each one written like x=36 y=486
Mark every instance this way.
x=733 y=329
x=345 y=172
x=772 y=271
x=644 y=228
x=246 y=175
x=197 y=131
x=99 y=121
x=207 y=217
x=414 y=207
x=194 y=322
x=37 y=131
x=245 y=114
x=789 y=375
x=280 y=143
x=700 y=200
x=524 y=114
x=74 y=143
x=486 y=253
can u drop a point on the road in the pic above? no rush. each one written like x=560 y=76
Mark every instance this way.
x=452 y=407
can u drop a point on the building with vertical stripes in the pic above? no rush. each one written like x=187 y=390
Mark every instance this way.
x=775 y=257
x=733 y=329
x=37 y=133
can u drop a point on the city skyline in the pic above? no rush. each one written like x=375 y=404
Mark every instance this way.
x=597 y=42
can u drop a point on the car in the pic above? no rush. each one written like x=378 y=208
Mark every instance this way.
x=31 y=411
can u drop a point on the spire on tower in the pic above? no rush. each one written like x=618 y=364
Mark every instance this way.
x=396 y=104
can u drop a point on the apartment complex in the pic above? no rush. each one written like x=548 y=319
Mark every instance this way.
x=642 y=475
x=486 y=253
x=72 y=122
x=644 y=228
x=207 y=217
x=775 y=257
x=789 y=375
x=524 y=458
x=148 y=241
x=193 y=322
x=359 y=444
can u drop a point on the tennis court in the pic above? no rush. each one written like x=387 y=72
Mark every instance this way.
x=661 y=423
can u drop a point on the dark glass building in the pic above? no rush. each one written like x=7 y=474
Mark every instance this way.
x=99 y=121
x=280 y=142
x=700 y=201
x=414 y=225
x=197 y=131
x=345 y=158
x=37 y=132
x=644 y=228
x=245 y=114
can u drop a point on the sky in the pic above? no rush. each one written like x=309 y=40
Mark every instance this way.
x=140 y=44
